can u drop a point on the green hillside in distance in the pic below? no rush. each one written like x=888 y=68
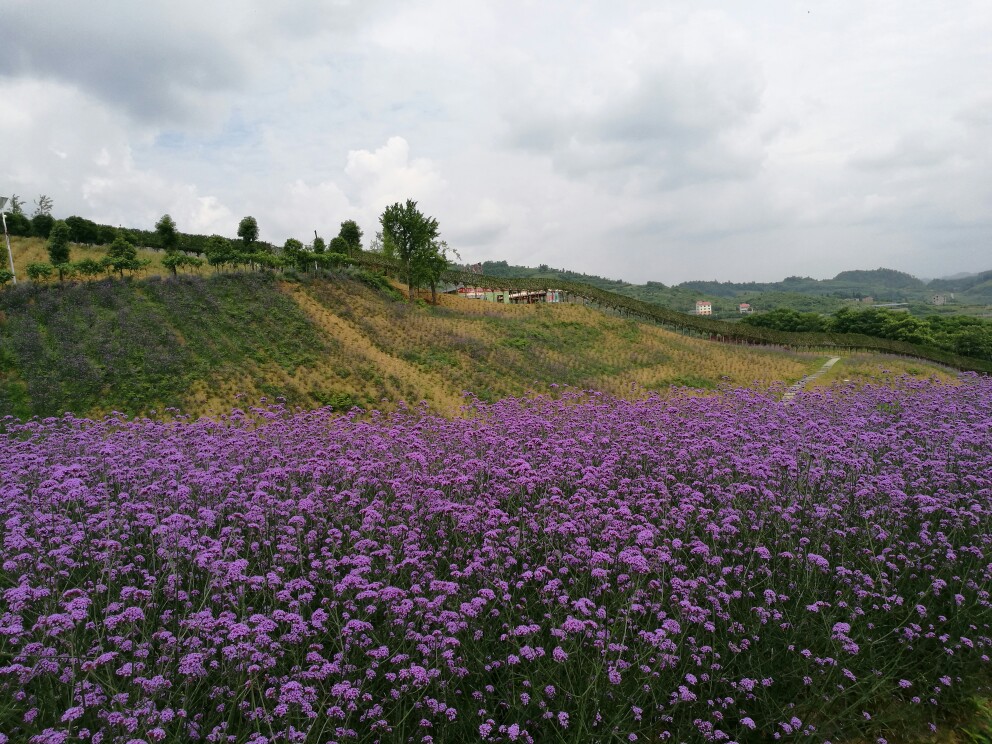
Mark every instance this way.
x=206 y=344
x=972 y=293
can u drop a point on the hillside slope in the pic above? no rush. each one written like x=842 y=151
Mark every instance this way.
x=203 y=345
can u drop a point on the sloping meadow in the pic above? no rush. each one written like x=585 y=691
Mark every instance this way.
x=572 y=568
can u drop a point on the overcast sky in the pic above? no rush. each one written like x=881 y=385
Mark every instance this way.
x=658 y=141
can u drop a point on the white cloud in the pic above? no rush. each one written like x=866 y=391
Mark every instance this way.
x=389 y=175
x=651 y=142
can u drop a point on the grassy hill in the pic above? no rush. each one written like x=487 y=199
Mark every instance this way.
x=206 y=344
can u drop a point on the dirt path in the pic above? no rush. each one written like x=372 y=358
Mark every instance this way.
x=796 y=388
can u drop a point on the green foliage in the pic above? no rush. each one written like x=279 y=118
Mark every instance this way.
x=248 y=230
x=88 y=267
x=18 y=224
x=785 y=319
x=219 y=250
x=122 y=256
x=41 y=225
x=695 y=382
x=339 y=245
x=134 y=346
x=39 y=272
x=415 y=237
x=5 y=276
x=58 y=246
x=16 y=204
x=319 y=246
x=351 y=234
x=176 y=261
x=336 y=400
x=168 y=235
x=375 y=280
x=295 y=255
x=82 y=230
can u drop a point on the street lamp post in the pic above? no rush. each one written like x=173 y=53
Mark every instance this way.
x=6 y=237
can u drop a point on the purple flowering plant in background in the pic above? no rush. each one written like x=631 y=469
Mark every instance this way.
x=567 y=568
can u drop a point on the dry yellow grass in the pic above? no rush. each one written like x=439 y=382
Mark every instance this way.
x=865 y=368
x=33 y=250
x=495 y=350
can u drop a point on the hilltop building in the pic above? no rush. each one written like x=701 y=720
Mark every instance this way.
x=508 y=297
x=704 y=307
x=938 y=299
x=745 y=309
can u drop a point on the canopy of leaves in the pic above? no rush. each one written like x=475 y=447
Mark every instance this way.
x=58 y=243
x=248 y=230
x=41 y=225
x=414 y=236
x=168 y=235
x=122 y=256
x=351 y=234
x=219 y=250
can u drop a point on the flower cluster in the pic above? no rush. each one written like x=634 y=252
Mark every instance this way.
x=565 y=568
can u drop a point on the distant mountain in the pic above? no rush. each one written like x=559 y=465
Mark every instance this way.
x=965 y=283
x=798 y=292
x=888 y=278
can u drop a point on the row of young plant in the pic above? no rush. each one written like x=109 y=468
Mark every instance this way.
x=135 y=346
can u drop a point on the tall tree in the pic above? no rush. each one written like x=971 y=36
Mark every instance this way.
x=168 y=235
x=351 y=233
x=430 y=264
x=412 y=233
x=16 y=205
x=218 y=250
x=58 y=246
x=41 y=225
x=339 y=245
x=122 y=256
x=248 y=230
x=43 y=205
x=294 y=253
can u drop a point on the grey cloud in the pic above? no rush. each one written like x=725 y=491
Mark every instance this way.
x=668 y=129
x=151 y=61
x=478 y=235
x=909 y=152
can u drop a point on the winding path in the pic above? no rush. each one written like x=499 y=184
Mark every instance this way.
x=794 y=389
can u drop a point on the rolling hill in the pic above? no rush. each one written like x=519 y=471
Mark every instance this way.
x=202 y=345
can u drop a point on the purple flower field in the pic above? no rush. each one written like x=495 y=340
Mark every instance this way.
x=565 y=569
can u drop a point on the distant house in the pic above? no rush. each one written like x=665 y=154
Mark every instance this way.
x=938 y=299
x=516 y=298
x=745 y=309
x=530 y=298
x=704 y=307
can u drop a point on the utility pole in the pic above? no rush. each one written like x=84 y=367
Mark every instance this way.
x=6 y=237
